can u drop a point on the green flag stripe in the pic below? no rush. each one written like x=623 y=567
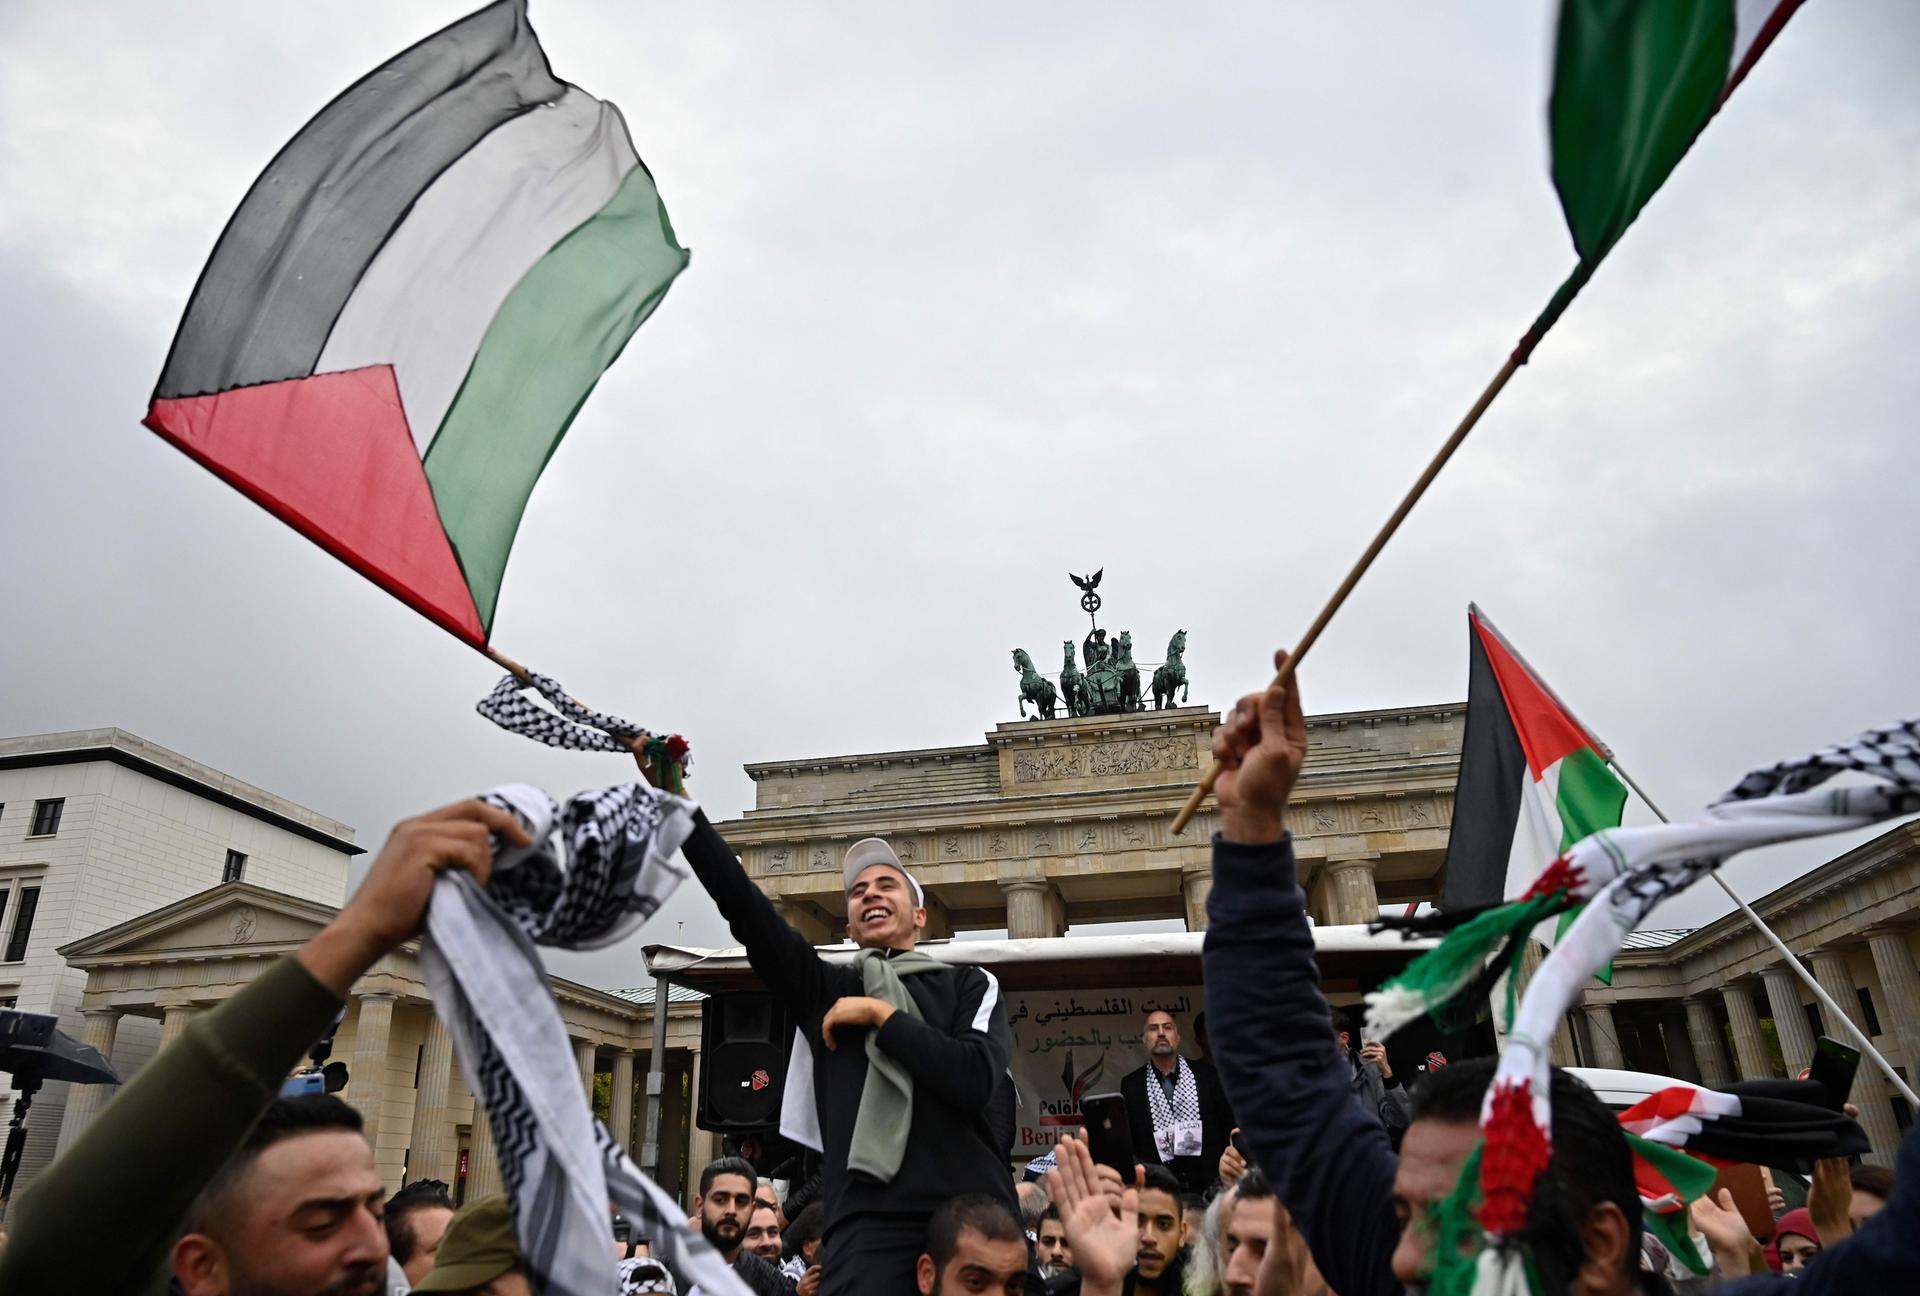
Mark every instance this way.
x=1633 y=85
x=565 y=321
x=1590 y=797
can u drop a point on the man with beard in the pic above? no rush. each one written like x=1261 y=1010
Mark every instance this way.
x=724 y=1206
x=295 y=1212
x=897 y=1066
x=1176 y=1108
x=1050 y=1246
x=974 y=1245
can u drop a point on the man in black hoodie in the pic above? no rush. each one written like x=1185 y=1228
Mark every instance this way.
x=902 y=1061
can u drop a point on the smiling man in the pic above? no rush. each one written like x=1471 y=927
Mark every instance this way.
x=896 y=1066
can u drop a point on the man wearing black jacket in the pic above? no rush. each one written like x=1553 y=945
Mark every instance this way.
x=1183 y=1121
x=901 y=1062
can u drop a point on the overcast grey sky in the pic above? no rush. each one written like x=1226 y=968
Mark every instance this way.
x=981 y=294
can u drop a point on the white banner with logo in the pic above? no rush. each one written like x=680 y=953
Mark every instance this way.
x=1070 y=1043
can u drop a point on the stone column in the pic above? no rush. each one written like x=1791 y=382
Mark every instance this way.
x=1869 y=1086
x=1749 y=1045
x=1789 y=1018
x=1032 y=911
x=483 y=1161
x=1604 y=1037
x=432 y=1149
x=1346 y=890
x=1681 y=1061
x=1703 y=1031
x=85 y=1101
x=620 y=1110
x=1899 y=992
x=1196 y=882
x=367 y=1073
x=583 y=1056
x=175 y=1020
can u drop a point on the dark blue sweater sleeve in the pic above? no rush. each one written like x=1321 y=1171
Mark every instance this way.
x=1291 y=1091
x=1883 y=1255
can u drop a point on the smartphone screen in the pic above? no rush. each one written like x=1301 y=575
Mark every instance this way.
x=1834 y=1065
x=1109 y=1137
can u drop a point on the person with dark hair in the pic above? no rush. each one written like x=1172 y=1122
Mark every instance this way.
x=1375 y=1087
x=416 y=1221
x=173 y=1127
x=974 y=1245
x=1872 y=1188
x=295 y=1209
x=1362 y=1211
x=1158 y=1267
x=1176 y=1112
x=802 y=1241
x=899 y=1076
x=1051 y=1250
x=724 y=1206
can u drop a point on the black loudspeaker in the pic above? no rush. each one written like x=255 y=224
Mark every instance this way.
x=745 y=1040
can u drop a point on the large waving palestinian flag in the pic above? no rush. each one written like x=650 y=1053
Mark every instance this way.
x=411 y=304
x=1634 y=84
x=1533 y=779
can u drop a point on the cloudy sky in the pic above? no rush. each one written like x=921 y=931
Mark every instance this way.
x=982 y=294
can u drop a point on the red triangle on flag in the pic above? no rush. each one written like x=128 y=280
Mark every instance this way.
x=1546 y=728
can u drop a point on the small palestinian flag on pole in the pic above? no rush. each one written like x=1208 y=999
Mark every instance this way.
x=411 y=304
x=1533 y=779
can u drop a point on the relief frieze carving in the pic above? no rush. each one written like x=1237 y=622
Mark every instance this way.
x=1102 y=760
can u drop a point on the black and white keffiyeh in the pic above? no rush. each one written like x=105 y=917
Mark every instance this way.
x=1185 y=1109
x=595 y=871
x=568 y=725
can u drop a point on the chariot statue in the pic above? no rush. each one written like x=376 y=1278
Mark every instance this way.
x=1106 y=680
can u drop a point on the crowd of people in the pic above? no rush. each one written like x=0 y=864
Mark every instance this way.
x=1289 y=1162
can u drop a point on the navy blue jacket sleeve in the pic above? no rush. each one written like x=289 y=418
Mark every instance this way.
x=1882 y=1256
x=1292 y=1092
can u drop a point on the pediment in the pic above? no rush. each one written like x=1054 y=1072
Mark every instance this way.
x=231 y=917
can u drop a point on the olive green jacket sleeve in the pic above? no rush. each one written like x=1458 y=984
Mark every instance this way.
x=134 y=1174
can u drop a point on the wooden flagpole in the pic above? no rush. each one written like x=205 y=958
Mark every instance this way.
x=1780 y=947
x=1399 y=515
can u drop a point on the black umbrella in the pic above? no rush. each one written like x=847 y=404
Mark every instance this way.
x=34 y=1050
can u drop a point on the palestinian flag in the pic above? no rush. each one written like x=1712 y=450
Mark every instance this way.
x=1781 y=1123
x=1633 y=85
x=1533 y=779
x=411 y=304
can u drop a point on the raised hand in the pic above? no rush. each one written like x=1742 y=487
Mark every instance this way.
x=1726 y=1232
x=1830 y=1200
x=1259 y=751
x=391 y=903
x=1105 y=1236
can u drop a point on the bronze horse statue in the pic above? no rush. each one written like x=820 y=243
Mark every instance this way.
x=1173 y=675
x=1073 y=685
x=1122 y=661
x=1034 y=687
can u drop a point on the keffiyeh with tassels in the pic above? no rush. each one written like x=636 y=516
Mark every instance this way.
x=1622 y=874
x=595 y=871
x=579 y=728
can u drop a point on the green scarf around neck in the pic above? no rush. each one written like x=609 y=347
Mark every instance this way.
x=886 y=1100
